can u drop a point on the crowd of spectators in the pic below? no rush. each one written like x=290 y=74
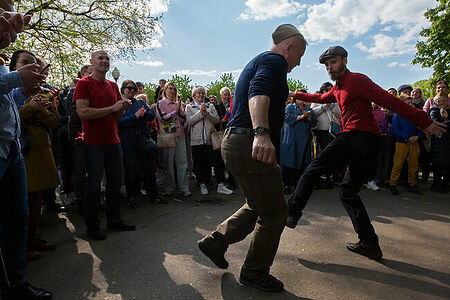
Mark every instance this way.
x=84 y=141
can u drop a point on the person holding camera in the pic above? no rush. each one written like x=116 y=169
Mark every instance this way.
x=201 y=118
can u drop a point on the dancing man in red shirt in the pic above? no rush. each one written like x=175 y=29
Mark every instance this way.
x=355 y=146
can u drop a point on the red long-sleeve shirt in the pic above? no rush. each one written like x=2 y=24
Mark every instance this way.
x=354 y=93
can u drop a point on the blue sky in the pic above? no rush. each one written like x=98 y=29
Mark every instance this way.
x=204 y=38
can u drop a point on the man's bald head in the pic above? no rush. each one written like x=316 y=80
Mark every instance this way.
x=98 y=52
x=292 y=49
x=100 y=62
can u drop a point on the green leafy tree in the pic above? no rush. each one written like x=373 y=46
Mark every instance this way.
x=149 y=90
x=294 y=84
x=426 y=86
x=226 y=80
x=66 y=32
x=183 y=85
x=434 y=51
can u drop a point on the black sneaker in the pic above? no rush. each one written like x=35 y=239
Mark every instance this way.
x=120 y=226
x=394 y=190
x=291 y=222
x=371 y=251
x=96 y=234
x=414 y=189
x=218 y=260
x=268 y=283
x=26 y=291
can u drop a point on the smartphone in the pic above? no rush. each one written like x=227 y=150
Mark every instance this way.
x=45 y=69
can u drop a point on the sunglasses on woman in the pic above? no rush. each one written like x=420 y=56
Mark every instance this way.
x=131 y=88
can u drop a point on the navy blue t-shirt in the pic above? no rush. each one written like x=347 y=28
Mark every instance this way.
x=264 y=75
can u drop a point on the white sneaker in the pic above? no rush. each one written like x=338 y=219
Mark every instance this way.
x=373 y=186
x=203 y=189
x=222 y=189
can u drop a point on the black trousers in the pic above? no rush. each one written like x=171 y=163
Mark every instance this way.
x=204 y=158
x=358 y=150
x=324 y=138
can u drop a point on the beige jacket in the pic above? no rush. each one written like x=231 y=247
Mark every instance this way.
x=201 y=126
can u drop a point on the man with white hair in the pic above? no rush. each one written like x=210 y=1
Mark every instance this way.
x=249 y=153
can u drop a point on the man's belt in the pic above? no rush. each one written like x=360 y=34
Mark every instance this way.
x=239 y=130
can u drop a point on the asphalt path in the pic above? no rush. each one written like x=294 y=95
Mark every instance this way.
x=160 y=260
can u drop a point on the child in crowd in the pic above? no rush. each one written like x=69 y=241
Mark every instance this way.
x=440 y=146
x=407 y=137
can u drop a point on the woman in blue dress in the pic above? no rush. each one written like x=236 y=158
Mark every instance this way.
x=296 y=138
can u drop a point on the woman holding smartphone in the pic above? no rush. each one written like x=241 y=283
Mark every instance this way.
x=131 y=125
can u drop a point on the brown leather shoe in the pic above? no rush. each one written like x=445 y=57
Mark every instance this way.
x=43 y=245
x=33 y=255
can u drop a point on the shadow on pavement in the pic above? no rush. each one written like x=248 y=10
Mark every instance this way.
x=381 y=277
x=413 y=269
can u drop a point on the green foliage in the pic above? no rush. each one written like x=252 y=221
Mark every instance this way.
x=66 y=32
x=226 y=80
x=183 y=85
x=294 y=84
x=426 y=86
x=434 y=51
x=149 y=90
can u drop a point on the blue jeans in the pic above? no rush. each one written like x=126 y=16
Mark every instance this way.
x=13 y=218
x=99 y=158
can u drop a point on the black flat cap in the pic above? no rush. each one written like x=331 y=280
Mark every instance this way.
x=283 y=32
x=332 y=52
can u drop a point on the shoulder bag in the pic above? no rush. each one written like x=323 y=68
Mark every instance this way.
x=166 y=137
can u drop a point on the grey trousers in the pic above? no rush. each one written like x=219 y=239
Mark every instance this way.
x=264 y=212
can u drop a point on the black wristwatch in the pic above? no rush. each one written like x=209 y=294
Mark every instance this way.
x=259 y=130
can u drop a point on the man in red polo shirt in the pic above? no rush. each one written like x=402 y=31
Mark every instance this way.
x=355 y=146
x=100 y=106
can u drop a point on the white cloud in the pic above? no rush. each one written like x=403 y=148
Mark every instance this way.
x=337 y=20
x=315 y=66
x=150 y=63
x=397 y=64
x=268 y=9
x=237 y=71
x=156 y=7
x=386 y=46
x=190 y=72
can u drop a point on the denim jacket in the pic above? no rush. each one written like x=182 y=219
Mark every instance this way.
x=10 y=98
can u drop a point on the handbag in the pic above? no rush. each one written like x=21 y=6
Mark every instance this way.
x=217 y=137
x=166 y=138
x=335 y=127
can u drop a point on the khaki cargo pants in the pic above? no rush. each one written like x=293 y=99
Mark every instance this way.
x=264 y=212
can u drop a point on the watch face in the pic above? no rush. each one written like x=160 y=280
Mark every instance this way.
x=260 y=130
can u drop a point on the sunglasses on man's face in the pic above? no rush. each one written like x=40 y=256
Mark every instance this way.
x=131 y=88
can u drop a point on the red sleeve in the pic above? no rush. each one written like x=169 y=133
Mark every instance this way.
x=367 y=89
x=116 y=87
x=316 y=98
x=81 y=91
